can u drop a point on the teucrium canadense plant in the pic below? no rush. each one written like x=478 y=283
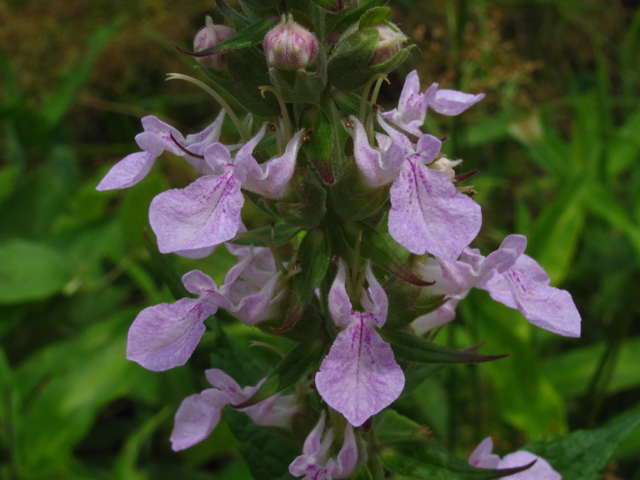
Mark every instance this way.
x=316 y=151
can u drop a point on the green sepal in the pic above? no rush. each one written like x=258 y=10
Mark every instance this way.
x=426 y=459
x=302 y=86
x=283 y=233
x=299 y=362
x=348 y=103
x=319 y=147
x=352 y=17
x=249 y=37
x=374 y=16
x=374 y=247
x=408 y=302
x=310 y=326
x=304 y=205
x=350 y=56
x=165 y=269
x=238 y=21
x=313 y=259
x=353 y=198
x=411 y=348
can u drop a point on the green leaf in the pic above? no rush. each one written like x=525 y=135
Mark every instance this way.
x=266 y=450
x=298 y=363
x=428 y=460
x=354 y=16
x=416 y=374
x=583 y=454
x=283 y=232
x=8 y=176
x=234 y=18
x=411 y=348
x=233 y=360
x=319 y=148
x=373 y=17
x=248 y=37
x=393 y=427
x=165 y=269
x=30 y=271
x=313 y=259
x=375 y=247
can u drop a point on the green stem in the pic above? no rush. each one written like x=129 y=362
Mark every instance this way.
x=356 y=264
x=365 y=95
x=241 y=130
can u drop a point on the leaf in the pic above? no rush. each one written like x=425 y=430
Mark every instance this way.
x=374 y=17
x=319 y=148
x=267 y=453
x=411 y=348
x=283 y=232
x=313 y=259
x=165 y=269
x=233 y=360
x=354 y=16
x=375 y=247
x=583 y=454
x=428 y=460
x=416 y=374
x=248 y=37
x=393 y=427
x=298 y=363
x=234 y=18
x=30 y=271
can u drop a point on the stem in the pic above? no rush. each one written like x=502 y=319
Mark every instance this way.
x=219 y=99
x=365 y=95
x=374 y=98
x=356 y=263
x=283 y=109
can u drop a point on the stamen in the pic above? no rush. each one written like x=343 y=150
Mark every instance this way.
x=217 y=97
x=283 y=109
x=184 y=149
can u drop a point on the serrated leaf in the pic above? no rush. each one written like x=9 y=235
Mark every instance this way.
x=250 y=36
x=583 y=454
x=411 y=348
x=374 y=247
x=313 y=259
x=373 y=17
x=30 y=271
x=283 y=232
x=298 y=363
x=266 y=451
x=428 y=460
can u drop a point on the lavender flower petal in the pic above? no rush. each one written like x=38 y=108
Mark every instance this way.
x=128 y=171
x=204 y=214
x=196 y=418
x=359 y=377
x=438 y=317
x=482 y=456
x=164 y=336
x=338 y=299
x=428 y=215
x=452 y=102
x=541 y=470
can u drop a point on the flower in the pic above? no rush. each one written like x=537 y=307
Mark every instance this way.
x=210 y=36
x=412 y=107
x=199 y=414
x=359 y=376
x=541 y=470
x=207 y=212
x=164 y=336
x=510 y=277
x=156 y=138
x=290 y=46
x=314 y=464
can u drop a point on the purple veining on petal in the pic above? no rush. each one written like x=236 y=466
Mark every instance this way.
x=429 y=215
x=359 y=377
x=204 y=214
x=128 y=171
x=164 y=336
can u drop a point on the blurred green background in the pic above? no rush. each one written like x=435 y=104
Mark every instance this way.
x=557 y=143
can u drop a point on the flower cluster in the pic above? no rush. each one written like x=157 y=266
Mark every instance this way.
x=329 y=294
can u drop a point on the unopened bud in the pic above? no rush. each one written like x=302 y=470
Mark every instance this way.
x=389 y=43
x=290 y=46
x=208 y=37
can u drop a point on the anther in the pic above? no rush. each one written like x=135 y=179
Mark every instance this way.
x=184 y=149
